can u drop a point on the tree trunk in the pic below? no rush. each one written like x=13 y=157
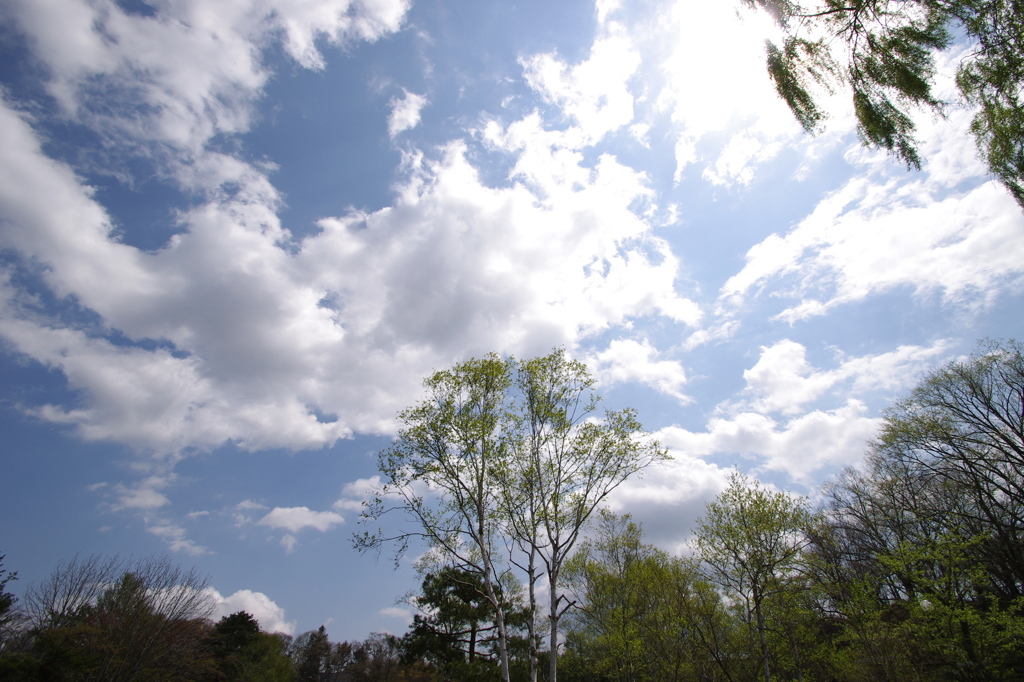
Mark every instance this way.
x=553 y=618
x=760 y=635
x=532 y=626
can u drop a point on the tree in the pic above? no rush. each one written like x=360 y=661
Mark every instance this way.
x=884 y=51
x=311 y=651
x=565 y=465
x=7 y=602
x=110 y=620
x=964 y=426
x=752 y=541
x=934 y=518
x=379 y=659
x=441 y=473
x=640 y=614
x=505 y=452
x=455 y=631
x=244 y=652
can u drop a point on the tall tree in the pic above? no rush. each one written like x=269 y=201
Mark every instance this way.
x=566 y=462
x=7 y=602
x=964 y=425
x=934 y=517
x=752 y=541
x=884 y=51
x=640 y=614
x=441 y=472
x=507 y=453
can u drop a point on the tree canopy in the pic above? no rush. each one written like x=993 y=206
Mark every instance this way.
x=507 y=456
x=884 y=51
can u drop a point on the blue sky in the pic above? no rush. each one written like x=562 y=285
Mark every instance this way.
x=235 y=236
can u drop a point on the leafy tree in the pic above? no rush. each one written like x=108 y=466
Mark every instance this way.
x=639 y=614
x=934 y=517
x=455 y=632
x=963 y=426
x=243 y=652
x=8 y=615
x=103 y=619
x=311 y=652
x=884 y=52
x=379 y=659
x=441 y=472
x=565 y=465
x=489 y=430
x=752 y=541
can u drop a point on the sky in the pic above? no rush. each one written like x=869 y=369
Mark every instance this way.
x=235 y=236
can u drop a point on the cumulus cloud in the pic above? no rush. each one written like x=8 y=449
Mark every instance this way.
x=784 y=381
x=240 y=333
x=196 y=69
x=668 y=497
x=270 y=616
x=799 y=446
x=594 y=92
x=627 y=360
x=294 y=519
x=745 y=112
x=405 y=113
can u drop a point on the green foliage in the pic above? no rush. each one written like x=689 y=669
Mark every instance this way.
x=10 y=617
x=640 y=614
x=103 y=619
x=506 y=452
x=752 y=541
x=243 y=652
x=884 y=52
x=455 y=633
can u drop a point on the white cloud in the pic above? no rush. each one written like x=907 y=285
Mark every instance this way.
x=776 y=421
x=668 y=497
x=719 y=87
x=270 y=616
x=404 y=615
x=869 y=238
x=595 y=92
x=143 y=495
x=606 y=7
x=405 y=113
x=740 y=157
x=295 y=519
x=783 y=380
x=175 y=537
x=263 y=345
x=799 y=446
x=196 y=66
x=628 y=360
x=354 y=494
x=340 y=21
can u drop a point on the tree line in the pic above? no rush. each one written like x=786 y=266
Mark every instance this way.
x=101 y=619
x=909 y=566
